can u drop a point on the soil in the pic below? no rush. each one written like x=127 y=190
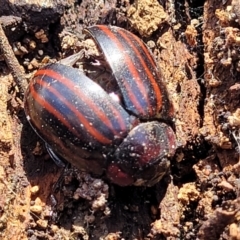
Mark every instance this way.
x=196 y=44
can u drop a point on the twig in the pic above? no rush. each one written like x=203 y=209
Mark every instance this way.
x=12 y=62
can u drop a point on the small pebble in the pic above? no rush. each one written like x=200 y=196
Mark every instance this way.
x=54 y=228
x=154 y=210
x=42 y=223
x=34 y=189
x=36 y=209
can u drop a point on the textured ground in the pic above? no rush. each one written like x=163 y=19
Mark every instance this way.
x=197 y=46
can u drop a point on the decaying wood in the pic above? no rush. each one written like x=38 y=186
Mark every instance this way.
x=196 y=44
x=12 y=62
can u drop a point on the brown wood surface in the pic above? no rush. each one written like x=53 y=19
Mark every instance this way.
x=196 y=44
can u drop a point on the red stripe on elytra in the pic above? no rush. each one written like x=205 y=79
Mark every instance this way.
x=93 y=131
x=70 y=85
x=154 y=84
x=131 y=69
x=42 y=102
x=144 y=48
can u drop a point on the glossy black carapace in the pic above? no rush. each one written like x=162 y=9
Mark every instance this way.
x=82 y=124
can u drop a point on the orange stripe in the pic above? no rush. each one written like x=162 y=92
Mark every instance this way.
x=41 y=101
x=95 y=133
x=145 y=67
x=131 y=68
x=100 y=114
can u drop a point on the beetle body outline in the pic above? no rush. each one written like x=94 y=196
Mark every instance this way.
x=84 y=125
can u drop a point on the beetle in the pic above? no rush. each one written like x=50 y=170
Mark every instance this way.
x=127 y=140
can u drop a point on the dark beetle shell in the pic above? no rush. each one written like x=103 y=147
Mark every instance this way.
x=143 y=154
x=82 y=124
x=134 y=68
x=73 y=114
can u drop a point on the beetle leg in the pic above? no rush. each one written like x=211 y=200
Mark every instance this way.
x=60 y=162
